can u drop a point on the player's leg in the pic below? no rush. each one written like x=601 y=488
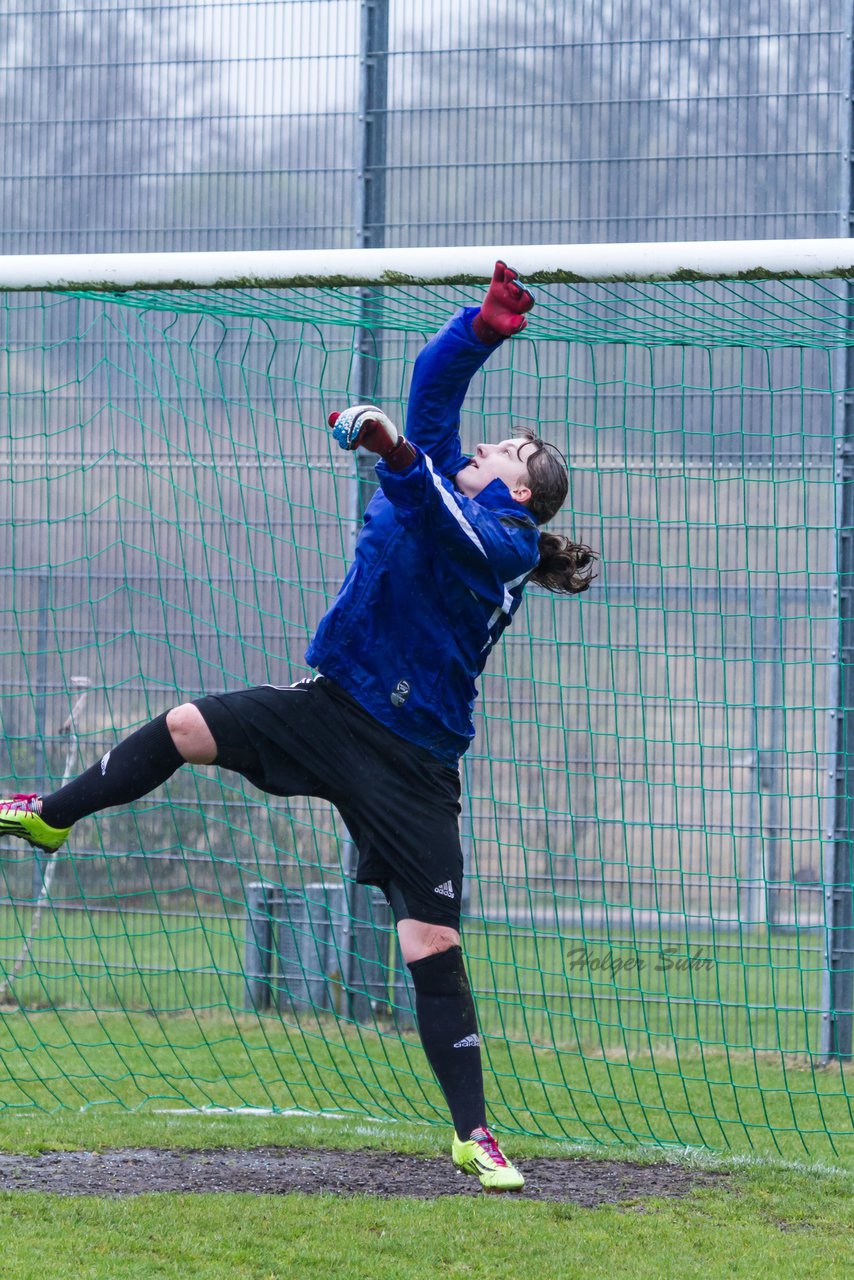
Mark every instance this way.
x=136 y=766
x=253 y=732
x=446 y=1016
x=401 y=806
x=447 y=1025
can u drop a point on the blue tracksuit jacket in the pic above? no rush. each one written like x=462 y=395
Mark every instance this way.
x=436 y=576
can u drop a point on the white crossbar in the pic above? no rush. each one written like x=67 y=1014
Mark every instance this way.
x=308 y=268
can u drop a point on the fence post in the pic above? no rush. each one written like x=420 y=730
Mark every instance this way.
x=837 y=994
x=838 y=871
x=370 y=234
x=373 y=107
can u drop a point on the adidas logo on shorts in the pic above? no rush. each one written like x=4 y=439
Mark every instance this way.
x=446 y=889
x=470 y=1042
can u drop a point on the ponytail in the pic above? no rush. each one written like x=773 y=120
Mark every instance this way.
x=565 y=566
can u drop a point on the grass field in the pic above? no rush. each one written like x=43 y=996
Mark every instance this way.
x=681 y=1049
x=766 y=1221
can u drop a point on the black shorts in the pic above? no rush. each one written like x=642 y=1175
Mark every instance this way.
x=400 y=804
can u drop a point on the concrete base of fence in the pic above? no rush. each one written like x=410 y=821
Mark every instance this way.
x=263 y=907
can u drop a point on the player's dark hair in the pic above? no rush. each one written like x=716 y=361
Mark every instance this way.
x=565 y=566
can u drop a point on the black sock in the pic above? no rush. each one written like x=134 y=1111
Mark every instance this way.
x=447 y=1025
x=132 y=769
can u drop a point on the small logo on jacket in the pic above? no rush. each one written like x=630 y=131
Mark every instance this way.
x=446 y=889
x=470 y=1042
x=400 y=693
x=105 y=760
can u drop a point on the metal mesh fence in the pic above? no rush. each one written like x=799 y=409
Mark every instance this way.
x=222 y=124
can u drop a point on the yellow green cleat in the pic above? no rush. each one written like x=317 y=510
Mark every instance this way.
x=482 y=1156
x=21 y=816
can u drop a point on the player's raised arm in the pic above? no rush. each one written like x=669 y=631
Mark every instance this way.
x=447 y=364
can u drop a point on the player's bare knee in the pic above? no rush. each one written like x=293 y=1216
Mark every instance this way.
x=191 y=735
x=442 y=939
x=418 y=939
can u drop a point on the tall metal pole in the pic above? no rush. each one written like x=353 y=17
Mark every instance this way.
x=838 y=1019
x=370 y=234
x=373 y=115
x=373 y=110
x=838 y=870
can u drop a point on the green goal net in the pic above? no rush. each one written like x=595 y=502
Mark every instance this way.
x=655 y=817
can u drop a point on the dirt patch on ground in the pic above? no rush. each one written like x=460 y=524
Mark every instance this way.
x=277 y=1170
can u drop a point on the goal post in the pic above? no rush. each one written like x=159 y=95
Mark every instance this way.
x=657 y=806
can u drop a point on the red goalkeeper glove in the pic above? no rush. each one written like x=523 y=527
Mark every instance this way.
x=503 y=310
x=364 y=426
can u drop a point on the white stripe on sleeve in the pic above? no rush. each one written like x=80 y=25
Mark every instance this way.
x=454 y=509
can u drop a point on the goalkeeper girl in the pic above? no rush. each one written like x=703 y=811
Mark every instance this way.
x=448 y=545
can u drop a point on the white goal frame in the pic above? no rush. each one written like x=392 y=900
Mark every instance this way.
x=327 y=268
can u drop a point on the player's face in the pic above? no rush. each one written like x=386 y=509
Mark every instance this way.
x=503 y=461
